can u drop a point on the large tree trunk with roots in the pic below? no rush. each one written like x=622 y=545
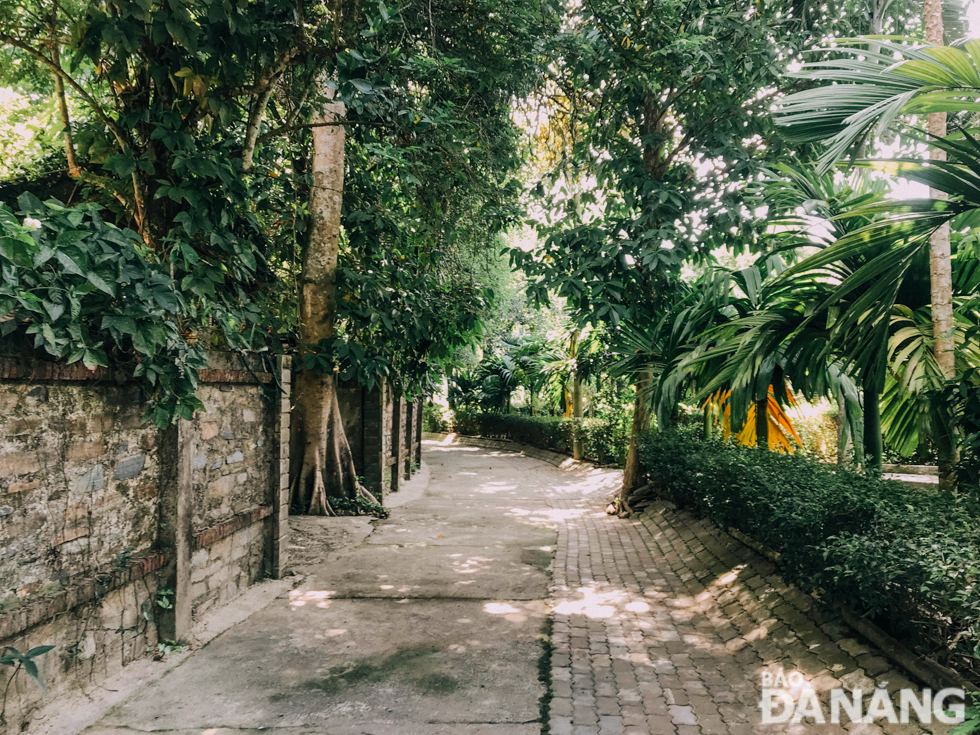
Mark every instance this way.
x=940 y=263
x=327 y=467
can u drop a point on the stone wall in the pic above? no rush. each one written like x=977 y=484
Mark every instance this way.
x=233 y=471
x=115 y=534
x=79 y=483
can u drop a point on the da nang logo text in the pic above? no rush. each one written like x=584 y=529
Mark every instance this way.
x=787 y=697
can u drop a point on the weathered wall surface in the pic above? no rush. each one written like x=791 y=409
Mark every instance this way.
x=92 y=641
x=221 y=570
x=92 y=500
x=78 y=478
x=350 y=396
x=235 y=463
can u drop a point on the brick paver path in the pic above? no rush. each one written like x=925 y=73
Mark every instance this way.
x=664 y=625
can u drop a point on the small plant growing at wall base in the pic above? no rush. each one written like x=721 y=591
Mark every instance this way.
x=358 y=507
x=163 y=648
x=165 y=598
x=14 y=658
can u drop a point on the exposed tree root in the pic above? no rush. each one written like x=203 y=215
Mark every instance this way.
x=319 y=505
x=364 y=493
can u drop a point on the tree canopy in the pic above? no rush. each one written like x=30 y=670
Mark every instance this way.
x=681 y=165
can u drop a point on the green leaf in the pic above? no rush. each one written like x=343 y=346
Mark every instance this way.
x=959 y=62
x=48 y=334
x=68 y=263
x=96 y=280
x=95 y=358
x=124 y=324
x=31 y=668
x=54 y=310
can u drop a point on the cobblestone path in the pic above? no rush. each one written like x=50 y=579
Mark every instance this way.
x=664 y=625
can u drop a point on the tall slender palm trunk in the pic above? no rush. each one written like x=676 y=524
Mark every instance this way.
x=940 y=262
x=577 y=451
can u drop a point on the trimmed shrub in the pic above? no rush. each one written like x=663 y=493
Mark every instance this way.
x=434 y=419
x=604 y=442
x=907 y=558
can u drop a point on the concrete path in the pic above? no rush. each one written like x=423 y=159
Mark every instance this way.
x=434 y=623
x=431 y=624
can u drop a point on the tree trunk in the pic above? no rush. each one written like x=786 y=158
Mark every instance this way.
x=327 y=466
x=641 y=425
x=762 y=423
x=577 y=450
x=576 y=401
x=872 y=430
x=59 y=90
x=653 y=123
x=843 y=441
x=940 y=261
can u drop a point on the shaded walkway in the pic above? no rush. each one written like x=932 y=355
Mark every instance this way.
x=432 y=623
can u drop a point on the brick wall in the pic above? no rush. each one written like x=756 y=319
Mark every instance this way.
x=99 y=511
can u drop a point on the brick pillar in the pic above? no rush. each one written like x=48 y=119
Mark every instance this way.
x=418 y=432
x=175 y=535
x=279 y=520
x=375 y=447
x=410 y=439
x=397 y=459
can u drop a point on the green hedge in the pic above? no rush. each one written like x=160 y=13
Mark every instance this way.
x=604 y=442
x=907 y=558
x=434 y=418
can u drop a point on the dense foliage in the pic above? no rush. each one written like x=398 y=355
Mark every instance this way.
x=188 y=123
x=78 y=288
x=904 y=557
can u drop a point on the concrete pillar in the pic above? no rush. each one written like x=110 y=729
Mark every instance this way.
x=175 y=534
x=278 y=531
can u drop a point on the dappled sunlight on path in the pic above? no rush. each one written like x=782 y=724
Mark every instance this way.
x=663 y=624
x=431 y=622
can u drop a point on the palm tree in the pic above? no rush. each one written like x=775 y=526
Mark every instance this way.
x=870 y=92
x=687 y=348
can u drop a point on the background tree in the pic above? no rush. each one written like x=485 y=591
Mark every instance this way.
x=667 y=115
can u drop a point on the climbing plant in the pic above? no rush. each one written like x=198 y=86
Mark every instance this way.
x=78 y=288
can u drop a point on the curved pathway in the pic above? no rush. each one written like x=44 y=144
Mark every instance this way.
x=434 y=622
